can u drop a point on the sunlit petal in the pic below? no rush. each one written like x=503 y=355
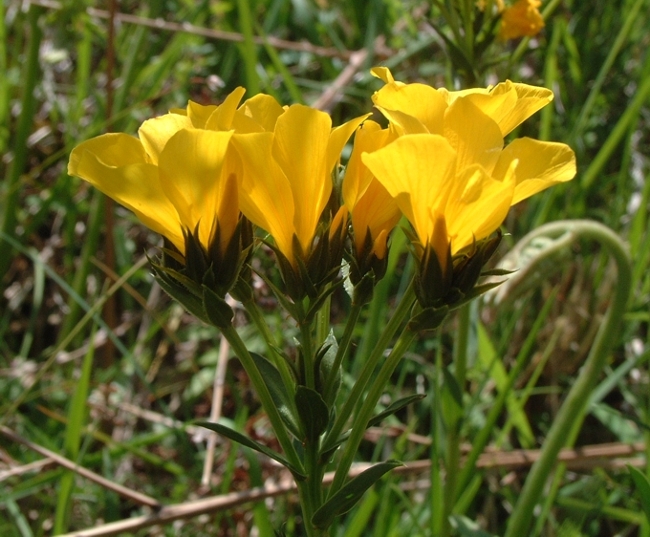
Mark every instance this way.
x=116 y=164
x=190 y=171
x=541 y=165
x=264 y=110
x=339 y=136
x=300 y=147
x=368 y=138
x=265 y=192
x=222 y=118
x=530 y=99
x=476 y=137
x=477 y=206
x=416 y=170
x=403 y=123
x=199 y=113
x=155 y=133
x=418 y=100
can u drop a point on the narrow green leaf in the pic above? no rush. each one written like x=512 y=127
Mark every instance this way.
x=642 y=484
x=313 y=412
x=281 y=399
x=250 y=443
x=77 y=413
x=395 y=407
x=351 y=493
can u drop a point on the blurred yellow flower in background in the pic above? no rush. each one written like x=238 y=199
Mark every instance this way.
x=521 y=19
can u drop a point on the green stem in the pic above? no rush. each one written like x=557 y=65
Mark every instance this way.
x=368 y=407
x=369 y=366
x=262 y=326
x=453 y=429
x=239 y=347
x=342 y=350
x=323 y=321
x=307 y=354
x=573 y=409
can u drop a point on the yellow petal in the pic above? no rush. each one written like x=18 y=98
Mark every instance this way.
x=540 y=165
x=530 y=99
x=508 y=103
x=116 y=164
x=228 y=209
x=383 y=73
x=300 y=147
x=416 y=171
x=368 y=138
x=263 y=110
x=418 y=100
x=155 y=133
x=190 y=169
x=476 y=206
x=221 y=119
x=199 y=113
x=375 y=212
x=265 y=195
x=476 y=137
x=403 y=123
x=339 y=136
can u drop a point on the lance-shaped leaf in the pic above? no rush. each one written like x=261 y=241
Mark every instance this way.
x=395 y=407
x=351 y=493
x=313 y=412
x=281 y=398
x=242 y=439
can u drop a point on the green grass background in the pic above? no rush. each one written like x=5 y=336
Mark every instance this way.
x=72 y=397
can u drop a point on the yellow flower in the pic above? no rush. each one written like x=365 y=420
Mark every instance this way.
x=181 y=172
x=521 y=19
x=287 y=180
x=446 y=209
x=374 y=211
x=474 y=123
x=174 y=176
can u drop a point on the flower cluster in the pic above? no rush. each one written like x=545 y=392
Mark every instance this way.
x=204 y=177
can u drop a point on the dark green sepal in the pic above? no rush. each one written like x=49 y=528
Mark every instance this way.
x=395 y=407
x=298 y=472
x=317 y=304
x=428 y=318
x=365 y=288
x=170 y=282
x=497 y=272
x=217 y=309
x=196 y=261
x=433 y=281
x=287 y=304
x=475 y=292
x=283 y=401
x=313 y=413
x=346 y=498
